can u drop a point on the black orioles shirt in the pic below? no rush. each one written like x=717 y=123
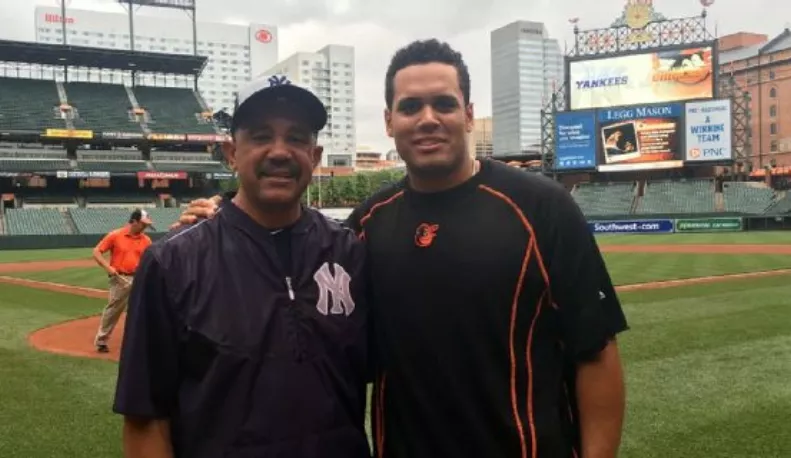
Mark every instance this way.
x=484 y=298
x=252 y=344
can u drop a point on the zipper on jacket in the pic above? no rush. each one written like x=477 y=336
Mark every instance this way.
x=290 y=289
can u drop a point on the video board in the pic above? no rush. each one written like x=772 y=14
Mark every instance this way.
x=644 y=78
x=640 y=137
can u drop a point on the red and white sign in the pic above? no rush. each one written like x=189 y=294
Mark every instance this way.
x=58 y=19
x=264 y=36
x=161 y=175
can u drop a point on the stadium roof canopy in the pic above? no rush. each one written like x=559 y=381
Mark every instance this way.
x=115 y=59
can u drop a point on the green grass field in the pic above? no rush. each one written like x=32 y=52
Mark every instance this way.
x=707 y=365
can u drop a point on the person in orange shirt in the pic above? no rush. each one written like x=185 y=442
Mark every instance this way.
x=126 y=246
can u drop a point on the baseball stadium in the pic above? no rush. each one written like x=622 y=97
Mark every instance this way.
x=698 y=244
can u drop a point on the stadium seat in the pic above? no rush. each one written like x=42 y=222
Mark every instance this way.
x=173 y=110
x=683 y=196
x=35 y=221
x=101 y=107
x=604 y=199
x=747 y=197
x=27 y=104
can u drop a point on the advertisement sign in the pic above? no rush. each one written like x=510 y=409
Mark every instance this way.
x=167 y=137
x=708 y=131
x=123 y=135
x=657 y=226
x=639 y=138
x=79 y=174
x=575 y=140
x=162 y=175
x=654 y=77
x=68 y=133
x=205 y=138
x=709 y=225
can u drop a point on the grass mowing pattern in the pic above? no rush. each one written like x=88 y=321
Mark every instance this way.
x=728 y=238
x=708 y=369
x=64 y=254
x=53 y=406
x=707 y=365
x=625 y=268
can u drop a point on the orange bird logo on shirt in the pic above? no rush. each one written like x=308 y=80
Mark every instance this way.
x=425 y=234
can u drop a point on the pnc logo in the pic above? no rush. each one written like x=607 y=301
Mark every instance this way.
x=425 y=235
x=264 y=36
x=694 y=153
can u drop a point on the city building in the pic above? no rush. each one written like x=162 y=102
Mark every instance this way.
x=527 y=66
x=329 y=72
x=367 y=159
x=479 y=142
x=235 y=53
x=762 y=67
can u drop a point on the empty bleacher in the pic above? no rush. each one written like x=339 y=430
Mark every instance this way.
x=604 y=199
x=112 y=166
x=33 y=165
x=172 y=110
x=101 y=107
x=780 y=206
x=99 y=220
x=35 y=221
x=747 y=197
x=28 y=104
x=103 y=220
x=683 y=196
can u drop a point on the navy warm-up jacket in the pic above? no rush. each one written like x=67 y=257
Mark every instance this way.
x=244 y=357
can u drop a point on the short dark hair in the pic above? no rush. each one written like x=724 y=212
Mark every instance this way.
x=426 y=52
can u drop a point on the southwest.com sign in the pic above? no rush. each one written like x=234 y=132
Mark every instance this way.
x=631 y=227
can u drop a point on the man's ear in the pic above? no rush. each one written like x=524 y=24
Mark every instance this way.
x=318 y=151
x=388 y=122
x=229 y=151
x=469 y=115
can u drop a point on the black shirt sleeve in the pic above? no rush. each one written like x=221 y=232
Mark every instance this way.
x=148 y=370
x=582 y=290
x=353 y=220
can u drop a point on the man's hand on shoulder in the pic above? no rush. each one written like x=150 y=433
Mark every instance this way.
x=196 y=210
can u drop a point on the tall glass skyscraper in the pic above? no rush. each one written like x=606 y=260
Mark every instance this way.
x=526 y=66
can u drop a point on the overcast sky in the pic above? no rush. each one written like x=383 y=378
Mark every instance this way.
x=376 y=28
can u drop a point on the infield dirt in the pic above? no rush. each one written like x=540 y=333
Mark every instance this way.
x=75 y=337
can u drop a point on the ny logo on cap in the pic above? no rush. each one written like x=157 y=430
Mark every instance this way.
x=275 y=80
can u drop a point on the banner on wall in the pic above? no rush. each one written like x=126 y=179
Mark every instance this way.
x=708 y=131
x=658 y=226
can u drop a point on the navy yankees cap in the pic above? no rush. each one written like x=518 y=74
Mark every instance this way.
x=260 y=94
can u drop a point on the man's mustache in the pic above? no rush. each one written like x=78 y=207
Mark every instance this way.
x=267 y=169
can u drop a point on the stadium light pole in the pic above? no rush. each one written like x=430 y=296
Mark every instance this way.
x=63 y=19
x=131 y=27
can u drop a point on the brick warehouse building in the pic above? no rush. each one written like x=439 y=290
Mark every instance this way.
x=763 y=68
